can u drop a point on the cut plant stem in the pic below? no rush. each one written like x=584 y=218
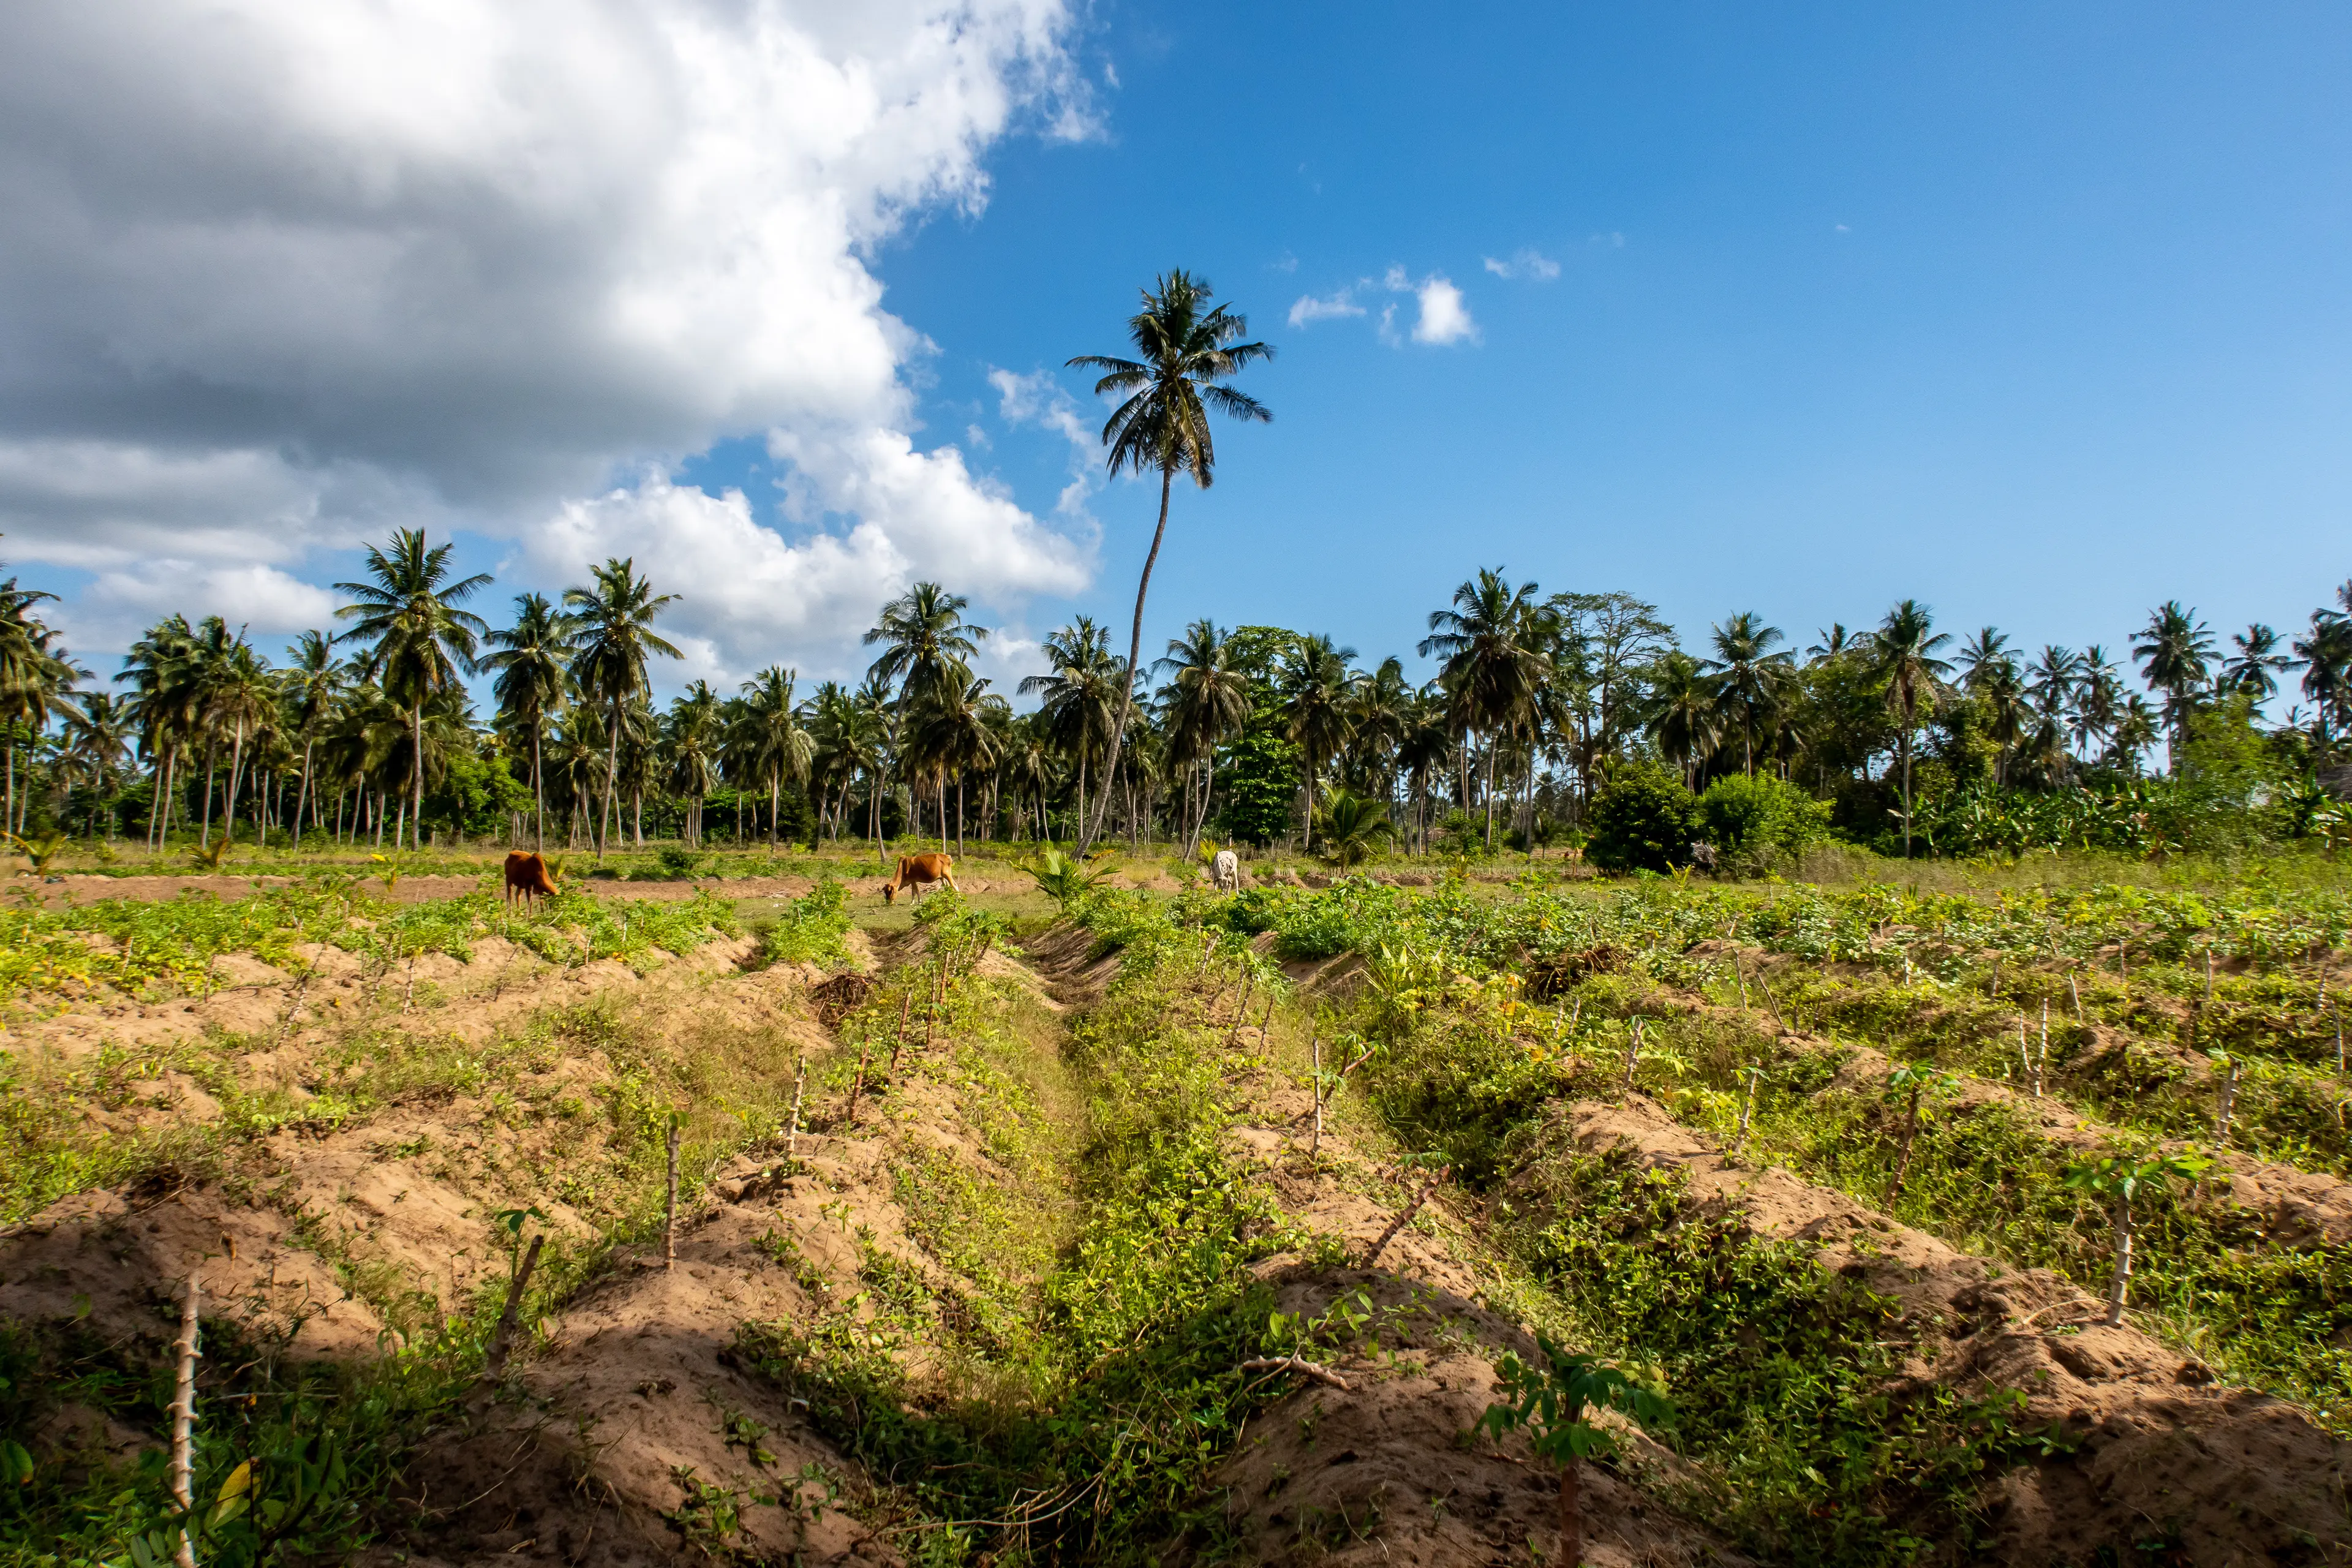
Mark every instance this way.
x=184 y=1420
x=2227 y=1097
x=1632 y=1056
x=2075 y=991
x=800 y=1084
x=1755 y=1076
x=2120 y=1290
x=494 y=1365
x=1372 y=1258
x=2041 y=1060
x=670 y=1209
x=1249 y=977
x=906 y=1002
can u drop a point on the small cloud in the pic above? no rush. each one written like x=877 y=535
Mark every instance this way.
x=1444 y=319
x=1287 y=263
x=975 y=436
x=1387 y=327
x=1524 y=263
x=1037 y=399
x=1310 y=308
x=1111 y=75
x=1843 y=229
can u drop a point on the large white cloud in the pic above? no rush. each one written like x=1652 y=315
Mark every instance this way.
x=279 y=274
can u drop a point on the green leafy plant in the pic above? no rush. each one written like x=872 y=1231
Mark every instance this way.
x=1916 y=1081
x=43 y=851
x=2120 y=1178
x=1550 y=1402
x=1349 y=827
x=1062 y=878
x=677 y=860
x=207 y=857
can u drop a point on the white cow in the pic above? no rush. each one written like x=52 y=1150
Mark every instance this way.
x=1225 y=872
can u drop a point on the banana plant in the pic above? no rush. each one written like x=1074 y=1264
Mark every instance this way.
x=1551 y=1402
x=2120 y=1178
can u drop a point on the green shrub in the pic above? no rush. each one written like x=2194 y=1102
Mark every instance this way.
x=1642 y=820
x=810 y=929
x=1741 y=814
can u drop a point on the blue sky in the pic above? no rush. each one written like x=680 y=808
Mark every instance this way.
x=2036 y=313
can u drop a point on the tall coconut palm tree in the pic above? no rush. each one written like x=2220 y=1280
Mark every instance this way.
x=1495 y=641
x=1082 y=693
x=2052 y=680
x=2009 y=717
x=1186 y=347
x=2326 y=657
x=534 y=680
x=35 y=676
x=1684 y=721
x=2255 y=668
x=2098 y=698
x=99 y=730
x=313 y=682
x=1424 y=752
x=952 y=731
x=416 y=638
x=1903 y=656
x=1208 y=698
x=926 y=645
x=690 y=741
x=241 y=698
x=1981 y=654
x=162 y=705
x=2173 y=652
x=1318 y=696
x=1749 y=677
x=780 y=745
x=610 y=625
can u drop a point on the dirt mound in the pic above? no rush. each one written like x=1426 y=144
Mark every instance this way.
x=1386 y=1470
x=2240 y=1476
x=1064 y=956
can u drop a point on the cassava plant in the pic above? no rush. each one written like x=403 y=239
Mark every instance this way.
x=2118 y=1179
x=1551 y=1401
x=1916 y=1081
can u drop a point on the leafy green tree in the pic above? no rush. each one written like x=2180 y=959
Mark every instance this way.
x=1081 y=696
x=1685 y=720
x=1640 y=820
x=1903 y=655
x=2174 y=653
x=1318 y=690
x=1743 y=813
x=1551 y=1402
x=1750 y=678
x=777 y=745
x=1496 y=641
x=416 y=638
x=1187 y=348
x=534 y=682
x=1206 y=699
x=609 y=625
x=2119 y=1179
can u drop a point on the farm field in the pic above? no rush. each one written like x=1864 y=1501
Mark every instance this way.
x=1149 y=1224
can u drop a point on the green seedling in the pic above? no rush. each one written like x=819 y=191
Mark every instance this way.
x=2119 y=1178
x=1551 y=1402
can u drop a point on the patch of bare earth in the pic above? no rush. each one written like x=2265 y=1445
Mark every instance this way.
x=2243 y=1477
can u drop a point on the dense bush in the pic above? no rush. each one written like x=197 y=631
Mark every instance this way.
x=1642 y=820
x=1742 y=814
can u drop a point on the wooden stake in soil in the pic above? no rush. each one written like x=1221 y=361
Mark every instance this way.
x=1739 y=968
x=669 y=1213
x=1266 y=1026
x=1632 y=1054
x=1314 y=1142
x=183 y=1422
x=1372 y=1258
x=1747 y=1108
x=494 y=1365
x=2209 y=974
x=2228 y=1094
x=1249 y=978
x=858 y=1084
x=906 y=1002
x=800 y=1083
x=2076 y=993
x=2042 y=1061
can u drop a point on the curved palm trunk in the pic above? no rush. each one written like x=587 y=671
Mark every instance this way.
x=537 y=796
x=302 y=796
x=1134 y=653
x=775 y=794
x=212 y=756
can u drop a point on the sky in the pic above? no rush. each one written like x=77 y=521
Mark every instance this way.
x=2035 y=313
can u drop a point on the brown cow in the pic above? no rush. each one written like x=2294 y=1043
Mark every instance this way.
x=917 y=872
x=526 y=874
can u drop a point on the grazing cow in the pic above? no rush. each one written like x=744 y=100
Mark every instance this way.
x=917 y=872
x=1225 y=872
x=528 y=874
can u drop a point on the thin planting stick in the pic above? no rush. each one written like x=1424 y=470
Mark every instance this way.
x=669 y=1211
x=1249 y=977
x=2042 y=1061
x=906 y=1001
x=183 y=1421
x=858 y=1084
x=1738 y=968
x=1372 y=1258
x=2076 y=993
x=2024 y=1057
x=800 y=1084
x=494 y=1365
x=1265 y=1025
x=1315 y=1144
x=2229 y=1097
x=1632 y=1054
x=2339 y=1042
x=1771 y=1001
x=1755 y=1075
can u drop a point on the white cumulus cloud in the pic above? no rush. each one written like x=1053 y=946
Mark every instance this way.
x=1332 y=307
x=278 y=275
